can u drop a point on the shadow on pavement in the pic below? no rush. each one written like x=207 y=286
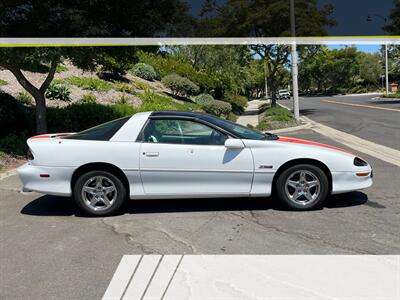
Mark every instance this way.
x=62 y=206
x=307 y=112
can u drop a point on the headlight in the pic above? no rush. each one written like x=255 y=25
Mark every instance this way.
x=360 y=162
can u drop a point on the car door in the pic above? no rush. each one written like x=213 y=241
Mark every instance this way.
x=185 y=157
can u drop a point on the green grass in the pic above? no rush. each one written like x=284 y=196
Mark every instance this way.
x=61 y=68
x=155 y=102
x=89 y=83
x=3 y=82
x=142 y=85
x=125 y=88
x=395 y=95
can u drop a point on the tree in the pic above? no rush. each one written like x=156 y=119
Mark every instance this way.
x=394 y=26
x=370 y=68
x=94 y=18
x=100 y=18
x=265 y=18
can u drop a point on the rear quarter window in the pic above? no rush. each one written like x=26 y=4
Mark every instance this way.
x=102 y=132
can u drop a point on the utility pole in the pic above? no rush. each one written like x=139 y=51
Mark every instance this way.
x=294 y=64
x=369 y=19
x=266 y=78
x=386 y=69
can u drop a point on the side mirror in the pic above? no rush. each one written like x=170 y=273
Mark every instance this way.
x=234 y=144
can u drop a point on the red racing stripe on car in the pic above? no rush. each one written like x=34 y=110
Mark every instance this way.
x=305 y=142
x=49 y=136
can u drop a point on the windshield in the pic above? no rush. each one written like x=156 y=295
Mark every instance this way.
x=102 y=132
x=239 y=130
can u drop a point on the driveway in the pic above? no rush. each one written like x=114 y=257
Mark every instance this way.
x=48 y=250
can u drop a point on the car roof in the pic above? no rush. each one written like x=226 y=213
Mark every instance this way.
x=177 y=113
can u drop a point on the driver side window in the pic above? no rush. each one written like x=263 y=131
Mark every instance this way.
x=176 y=131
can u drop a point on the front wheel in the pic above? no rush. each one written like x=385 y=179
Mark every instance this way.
x=99 y=193
x=302 y=187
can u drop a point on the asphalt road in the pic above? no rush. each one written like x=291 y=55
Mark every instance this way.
x=48 y=250
x=376 y=121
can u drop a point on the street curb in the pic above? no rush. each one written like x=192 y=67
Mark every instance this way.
x=381 y=152
x=8 y=173
x=307 y=125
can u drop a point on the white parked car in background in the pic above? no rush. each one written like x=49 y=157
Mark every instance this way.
x=186 y=155
x=283 y=94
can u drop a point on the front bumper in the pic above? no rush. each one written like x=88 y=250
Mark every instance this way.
x=57 y=183
x=343 y=182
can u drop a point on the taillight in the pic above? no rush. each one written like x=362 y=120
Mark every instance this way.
x=29 y=155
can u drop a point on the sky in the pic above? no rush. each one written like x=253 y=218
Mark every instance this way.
x=362 y=48
x=351 y=15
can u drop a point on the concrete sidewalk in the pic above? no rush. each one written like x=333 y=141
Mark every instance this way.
x=251 y=113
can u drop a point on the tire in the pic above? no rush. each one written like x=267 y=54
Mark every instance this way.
x=99 y=193
x=302 y=187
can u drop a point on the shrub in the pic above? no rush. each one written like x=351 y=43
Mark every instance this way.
x=203 y=99
x=217 y=108
x=3 y=82
x=90 y=83
x=14 y=144
x=88 y=98
x=24 y=98
x=14 y=116
x=144 y=71
x=58 y=92
x=180 y=85
x=80 y=116
x=238 y=102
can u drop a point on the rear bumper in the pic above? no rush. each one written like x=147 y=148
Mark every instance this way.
x=57 y=183
x=343 y=182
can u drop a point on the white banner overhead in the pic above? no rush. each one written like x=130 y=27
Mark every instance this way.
x=25 y=42
x=273 y=277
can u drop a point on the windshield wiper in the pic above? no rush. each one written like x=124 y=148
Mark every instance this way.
x=270 y=136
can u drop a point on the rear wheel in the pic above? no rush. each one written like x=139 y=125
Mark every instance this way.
x=99 y=193
x=302 y=187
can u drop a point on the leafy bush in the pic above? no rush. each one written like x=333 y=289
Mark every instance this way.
x=80 y=116
x=90 y=83
x=14 y=144
x=3 y=82
x=238 y=102
x=14 y=116
x=144 y=71
x=212 y=106
x=217 y=108
x=169 y=64
x=180 y=85
x=58 y=92
x=88 y=98
x=24 y=98
x=395 y=95
x=203 y=99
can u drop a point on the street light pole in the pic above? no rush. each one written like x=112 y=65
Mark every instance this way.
x=294 y=64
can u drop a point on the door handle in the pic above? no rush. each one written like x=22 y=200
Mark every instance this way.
x=151 y=154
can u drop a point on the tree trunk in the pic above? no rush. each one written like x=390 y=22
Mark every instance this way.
x=37 y=93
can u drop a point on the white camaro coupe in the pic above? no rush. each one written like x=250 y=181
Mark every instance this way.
x=172 y=154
